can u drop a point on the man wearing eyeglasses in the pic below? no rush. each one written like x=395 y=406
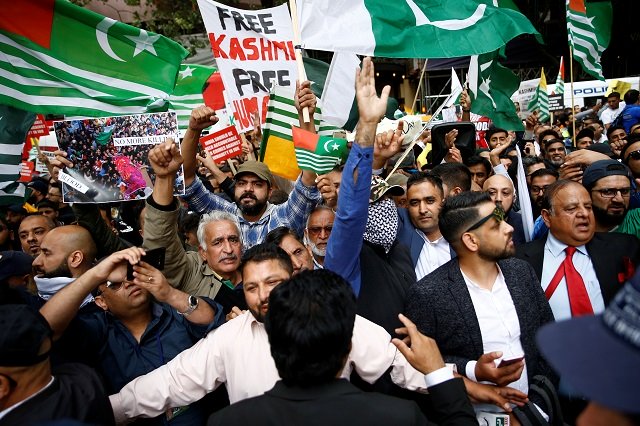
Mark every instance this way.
x=483 y=307
x=610 y=187
x=316 y=234
x=148 y=322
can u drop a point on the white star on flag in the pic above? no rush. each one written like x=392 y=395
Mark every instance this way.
x=335 y=146
x=187 y=72
x=144 y=42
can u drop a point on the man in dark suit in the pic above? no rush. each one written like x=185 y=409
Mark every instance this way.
x=603 y=260
x=483 y=308
x=310 y=325
x=580 y=270
x=418 y=224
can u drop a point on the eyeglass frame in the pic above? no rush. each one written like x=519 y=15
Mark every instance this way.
x=632 y=154
x=620 y=190
x=498 y=213
x=111 y=286
x=319 y=229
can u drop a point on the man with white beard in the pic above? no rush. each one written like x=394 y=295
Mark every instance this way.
x=316 y=234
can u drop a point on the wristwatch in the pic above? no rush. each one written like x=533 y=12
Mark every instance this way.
x=192 y=301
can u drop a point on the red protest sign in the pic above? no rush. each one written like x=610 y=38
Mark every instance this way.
x=26 y=171
x=223 y=144
x=39 y=128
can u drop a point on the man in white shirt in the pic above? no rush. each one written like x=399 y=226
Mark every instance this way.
x=418 y=227
x=615 y=108
x=483 y=308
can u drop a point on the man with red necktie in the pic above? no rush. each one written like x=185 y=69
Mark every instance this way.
x=580 y=270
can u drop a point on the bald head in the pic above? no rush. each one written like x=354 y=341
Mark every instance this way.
x=500 y=188
x=69 y=239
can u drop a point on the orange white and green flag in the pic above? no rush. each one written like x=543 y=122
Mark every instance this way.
x=318 y=153
x=589 y=32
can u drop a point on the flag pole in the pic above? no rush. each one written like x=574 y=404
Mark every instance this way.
x=302 y=75
x=573 y=115
x=415 y=98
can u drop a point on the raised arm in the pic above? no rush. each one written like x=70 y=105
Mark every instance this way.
x=63 y=306
x=201 y=118
x=305 y=98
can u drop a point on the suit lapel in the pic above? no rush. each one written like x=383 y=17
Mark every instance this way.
x=518 y=295
x=604 y=265
x=460 y=293
x=533 y=253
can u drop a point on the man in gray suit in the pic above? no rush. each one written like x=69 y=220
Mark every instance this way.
x=483 y=308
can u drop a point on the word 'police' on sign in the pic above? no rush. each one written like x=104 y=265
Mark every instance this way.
x=253 y=50
x=223 y=144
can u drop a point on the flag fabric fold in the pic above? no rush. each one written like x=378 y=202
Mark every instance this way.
x=491 y=86
x=540 y=100
x=318 y=153
x=559 y=89
x=187 y=93
x=60 y=58
x=589 y=32
x=14 y=125
x=409 y=29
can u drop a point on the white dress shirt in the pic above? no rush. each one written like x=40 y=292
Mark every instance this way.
x=499 y=325
x=554 y=255
x=433 y=255
x=238 y=355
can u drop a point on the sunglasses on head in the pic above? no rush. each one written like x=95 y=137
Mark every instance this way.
x=498 y=213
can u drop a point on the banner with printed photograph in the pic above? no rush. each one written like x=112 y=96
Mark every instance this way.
x=109 y=155
x=253 y=50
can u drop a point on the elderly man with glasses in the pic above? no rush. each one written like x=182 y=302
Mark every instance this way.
x=495 y=299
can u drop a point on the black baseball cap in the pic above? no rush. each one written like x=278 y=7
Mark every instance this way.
x=22 y=332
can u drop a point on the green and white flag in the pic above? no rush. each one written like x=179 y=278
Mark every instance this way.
x=14 y=125
x=559 y=90
x=491 y=86
x=589 y=31
x=540 y=100
x=187 y=94
x=409 y=28
x=59 y=58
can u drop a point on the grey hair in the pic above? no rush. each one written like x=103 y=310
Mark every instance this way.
x=319 y=207
x=214 y=217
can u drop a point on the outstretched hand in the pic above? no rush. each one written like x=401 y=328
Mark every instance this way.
x=421 y=351
x=370 y=107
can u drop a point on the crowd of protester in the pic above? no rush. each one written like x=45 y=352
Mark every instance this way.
x=112 y=171
x=367 y=295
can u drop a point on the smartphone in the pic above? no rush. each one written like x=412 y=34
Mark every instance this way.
x=154 y=257
x=505 y=362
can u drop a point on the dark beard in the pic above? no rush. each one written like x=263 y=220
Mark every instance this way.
x=250 y=210
x=606 y=219
x=62 y=271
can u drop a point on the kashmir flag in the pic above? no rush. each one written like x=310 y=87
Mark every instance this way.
x=276 y=149
x=409 y=28
x=491 y=86
x=589 y=32
x=318 y=153
x=559 y=90
x=59 y=58
x=187 y=94
x=540 y=100
x=14 y=125
x=104 y=136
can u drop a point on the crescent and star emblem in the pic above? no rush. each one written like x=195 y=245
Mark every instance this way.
x=448 y=24
x=143 y=41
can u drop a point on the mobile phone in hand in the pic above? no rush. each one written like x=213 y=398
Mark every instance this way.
x=154 y=257
x=506 y=362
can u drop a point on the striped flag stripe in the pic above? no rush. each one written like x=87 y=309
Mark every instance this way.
x=57 y=66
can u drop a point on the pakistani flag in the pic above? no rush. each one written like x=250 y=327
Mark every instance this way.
x=14 y=125
x=409 y=28
x=187 y=94
x=540 y=100
x=59 y=58
x=560 y=79
x=589 y=32
x=491 y=86
x=318 y=153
